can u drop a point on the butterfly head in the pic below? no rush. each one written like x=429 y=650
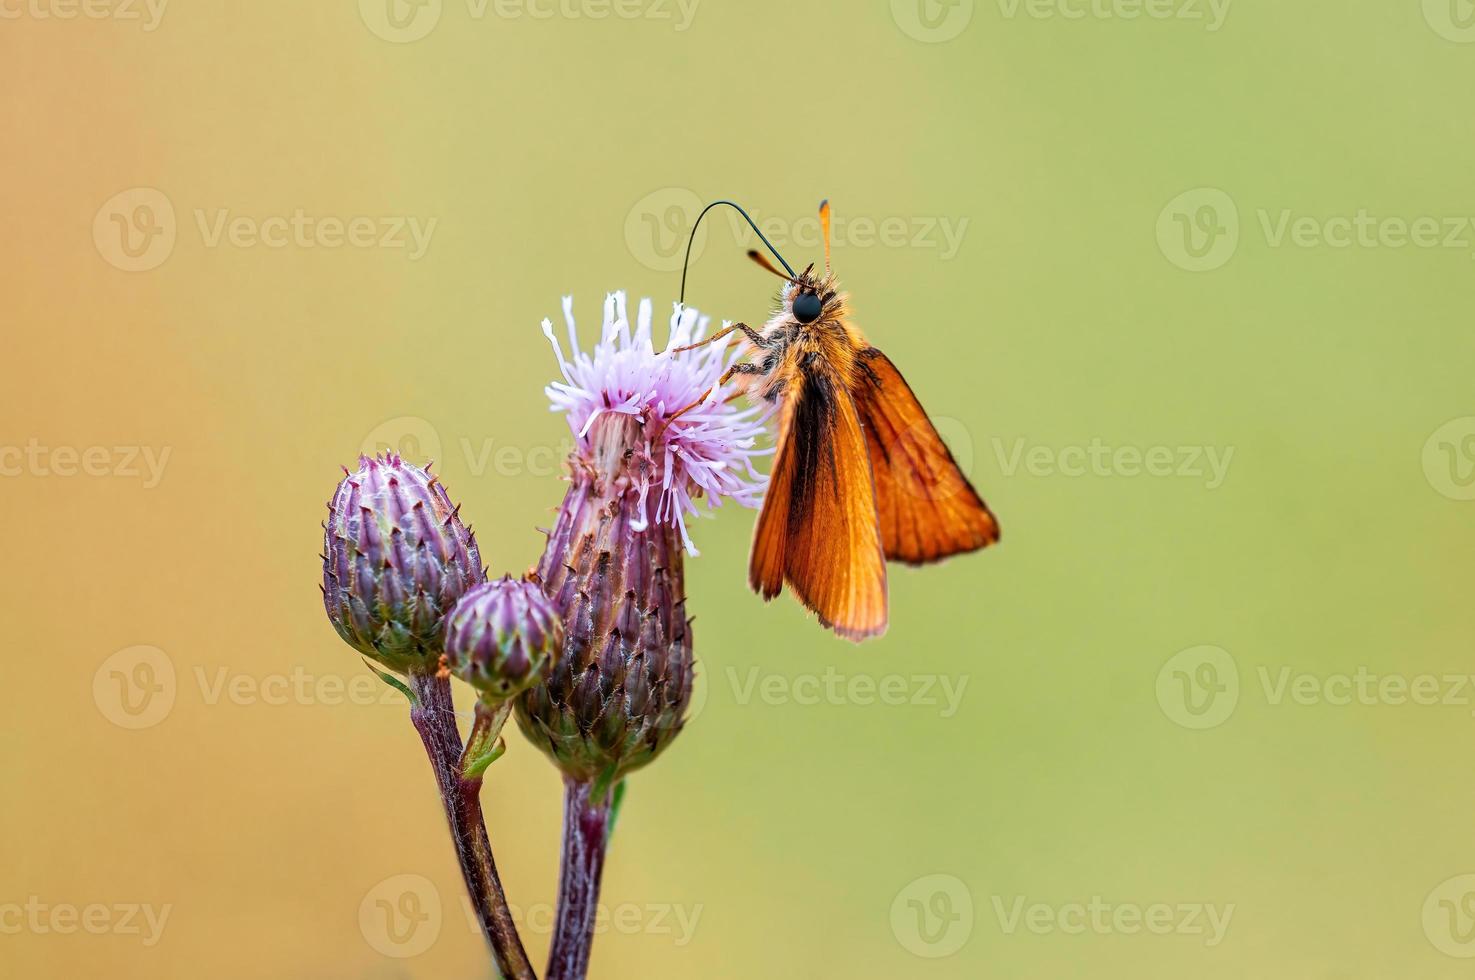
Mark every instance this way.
x=809 y=297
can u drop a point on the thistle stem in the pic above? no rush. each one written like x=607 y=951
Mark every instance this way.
x=585 y=834
x=434 y=717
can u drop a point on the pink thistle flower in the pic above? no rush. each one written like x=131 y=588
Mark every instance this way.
x=707 y=452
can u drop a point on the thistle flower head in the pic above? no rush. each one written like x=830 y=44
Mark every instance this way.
x=613 y=565
x=503 y=637
x=707 y=452
x=396 y=557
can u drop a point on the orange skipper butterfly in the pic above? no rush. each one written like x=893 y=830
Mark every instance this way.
x=860 y=475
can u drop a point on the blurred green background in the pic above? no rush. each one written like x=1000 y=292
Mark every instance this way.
x=1109 y=242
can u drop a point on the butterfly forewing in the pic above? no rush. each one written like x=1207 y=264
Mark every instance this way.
x=818 y=530
x=766 y=562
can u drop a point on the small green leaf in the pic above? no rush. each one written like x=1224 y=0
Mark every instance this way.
x=474 y=766
x=484 y=747
x=614 y=809
x=395 y=683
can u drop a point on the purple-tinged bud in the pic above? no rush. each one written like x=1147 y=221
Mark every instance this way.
x=502 y=638
x=396 y=558
x=616 y=698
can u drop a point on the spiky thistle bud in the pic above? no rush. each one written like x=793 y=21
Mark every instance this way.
x=502 y=638
x=396 y=558
x=616 y=698
x=613 y=566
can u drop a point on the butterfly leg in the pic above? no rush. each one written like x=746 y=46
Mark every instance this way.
x=742 y=367
x=754 y=336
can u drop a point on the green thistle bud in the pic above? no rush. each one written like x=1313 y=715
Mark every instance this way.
x=502 y=638
x=396 y=558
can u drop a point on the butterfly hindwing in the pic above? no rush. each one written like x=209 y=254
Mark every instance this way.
x=926 y=507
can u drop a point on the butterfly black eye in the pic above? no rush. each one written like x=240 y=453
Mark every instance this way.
x=807 y=307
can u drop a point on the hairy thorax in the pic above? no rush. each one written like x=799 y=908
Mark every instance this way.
x=791 y=349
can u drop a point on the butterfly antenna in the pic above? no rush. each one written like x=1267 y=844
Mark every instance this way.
x=696 y=224
x=824 y=222
x=759 y=258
